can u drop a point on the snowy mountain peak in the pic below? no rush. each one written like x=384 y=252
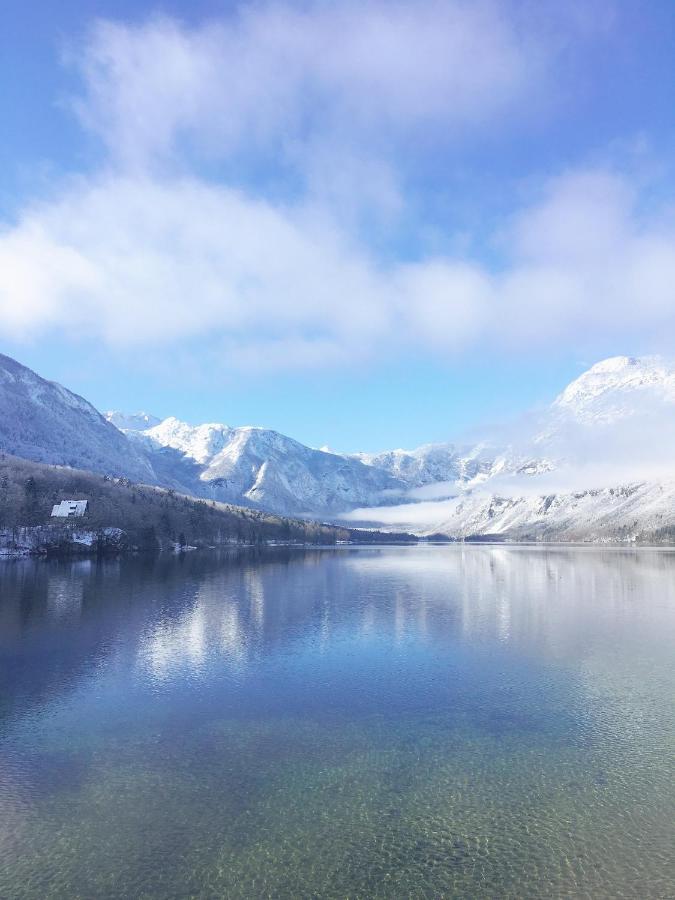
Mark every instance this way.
x=615 y=364
x=198 y=442
x=618 y=387
x=138 y=421
x=433 y=463
x=260 y=467
x=566 y=472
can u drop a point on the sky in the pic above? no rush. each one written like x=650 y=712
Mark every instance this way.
x=365 y=224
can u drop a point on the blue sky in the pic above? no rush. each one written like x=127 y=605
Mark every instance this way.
x=363 y=224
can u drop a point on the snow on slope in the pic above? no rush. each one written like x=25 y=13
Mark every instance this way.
x=260 y=467
x=446 y=469
x=625 y=512
x=609 y=435
x=596 y=462
x=615 y=388
x=138 y=421
x=434 y=463
x=586 y=414
x=42 y=421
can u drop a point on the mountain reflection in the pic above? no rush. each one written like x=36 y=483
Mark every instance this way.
x=62 y=622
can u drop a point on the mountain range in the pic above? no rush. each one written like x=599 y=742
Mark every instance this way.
x=595 y=464
x=258 y=467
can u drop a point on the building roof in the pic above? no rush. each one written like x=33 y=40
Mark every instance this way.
x=70 y=508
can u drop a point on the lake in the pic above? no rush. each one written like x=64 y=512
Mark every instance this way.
x=420 y=721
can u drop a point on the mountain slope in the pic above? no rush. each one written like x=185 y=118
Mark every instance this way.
x=599 y=463
x=610 y=514
x=261 y=468
x=150 y=517
x=44 y=422
x=433 y=463
x=616 y=388
x=138 y=421
x=626 y=512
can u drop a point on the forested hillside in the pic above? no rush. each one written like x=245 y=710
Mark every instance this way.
x=151 y=517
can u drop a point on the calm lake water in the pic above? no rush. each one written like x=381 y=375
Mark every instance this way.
x=384 y=722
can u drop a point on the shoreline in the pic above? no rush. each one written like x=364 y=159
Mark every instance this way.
x=77 y=550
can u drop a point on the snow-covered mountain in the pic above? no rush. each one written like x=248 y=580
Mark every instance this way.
x=436 y=470
x=610 y=402
x=631 y=511
x=599 y=461
x=260 y=467
x=618 y=388
x=42 y=421
x=138 y=421
x=434 y=463
x=561 y=473
x=639 y=511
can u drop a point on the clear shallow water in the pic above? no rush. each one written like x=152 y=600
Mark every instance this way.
x=397 y=722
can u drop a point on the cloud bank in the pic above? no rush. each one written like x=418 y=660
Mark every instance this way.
x=136 y=260
x=246 y=159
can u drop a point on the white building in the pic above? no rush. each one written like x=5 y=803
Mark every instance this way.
x=70 y=509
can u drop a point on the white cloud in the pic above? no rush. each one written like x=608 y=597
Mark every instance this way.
x=448 y=303
x=423 y=515
x=147 y=252
x=135 y=260
x=585 y=264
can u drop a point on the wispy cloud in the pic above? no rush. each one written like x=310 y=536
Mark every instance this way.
x=275 y=75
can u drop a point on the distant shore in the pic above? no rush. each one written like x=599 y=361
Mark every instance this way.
x=65 y=540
